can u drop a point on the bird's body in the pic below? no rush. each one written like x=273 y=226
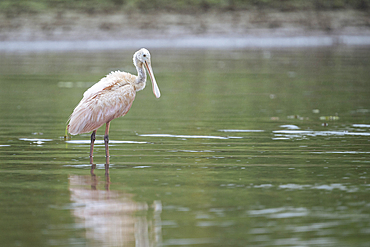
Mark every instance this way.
x=110 y=98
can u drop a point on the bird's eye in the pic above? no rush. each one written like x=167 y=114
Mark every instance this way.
x=144 y=55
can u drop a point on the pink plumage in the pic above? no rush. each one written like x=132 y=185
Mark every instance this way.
x=111 y=98
x=108 y=99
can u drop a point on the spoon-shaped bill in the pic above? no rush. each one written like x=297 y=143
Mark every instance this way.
x=156 y=91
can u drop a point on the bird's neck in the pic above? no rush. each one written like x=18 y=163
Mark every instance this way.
x=141 y=76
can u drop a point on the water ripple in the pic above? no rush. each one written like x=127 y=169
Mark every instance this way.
x=290 y=126
x=361 y=125
x=35 y=140
x=236 y=130
x=329 y=187
x=283 y=212
x=192 y=151
x=141 y=167
x=190 y=136
x=341 y=152
x=290 y=134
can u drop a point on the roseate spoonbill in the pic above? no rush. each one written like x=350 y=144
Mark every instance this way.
x=110 y=98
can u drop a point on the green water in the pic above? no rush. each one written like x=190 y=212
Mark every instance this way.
x=244 y=148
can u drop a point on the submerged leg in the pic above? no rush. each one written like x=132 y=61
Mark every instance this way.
x=107 y=174
x=92 y=146
x=94 y=180
x=93 y=166
x=106 y=141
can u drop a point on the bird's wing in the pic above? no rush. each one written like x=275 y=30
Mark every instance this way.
x=112 y=79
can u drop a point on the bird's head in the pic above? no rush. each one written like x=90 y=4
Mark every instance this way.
x=142 y=57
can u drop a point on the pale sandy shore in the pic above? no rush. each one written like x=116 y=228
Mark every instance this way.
x=235 y=29
x=246 y=42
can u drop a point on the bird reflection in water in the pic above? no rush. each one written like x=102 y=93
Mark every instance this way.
x=111 y=217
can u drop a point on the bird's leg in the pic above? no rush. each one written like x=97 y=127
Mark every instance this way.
x=92 y=146
x=106 y=141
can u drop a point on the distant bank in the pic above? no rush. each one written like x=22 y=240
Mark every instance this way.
x=71 y=30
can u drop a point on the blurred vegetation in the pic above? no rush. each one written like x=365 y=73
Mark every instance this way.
x=15 y=7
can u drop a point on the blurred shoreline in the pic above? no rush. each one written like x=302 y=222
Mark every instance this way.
x=70 y=30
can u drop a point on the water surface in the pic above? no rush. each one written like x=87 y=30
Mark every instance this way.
x=262 y=147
